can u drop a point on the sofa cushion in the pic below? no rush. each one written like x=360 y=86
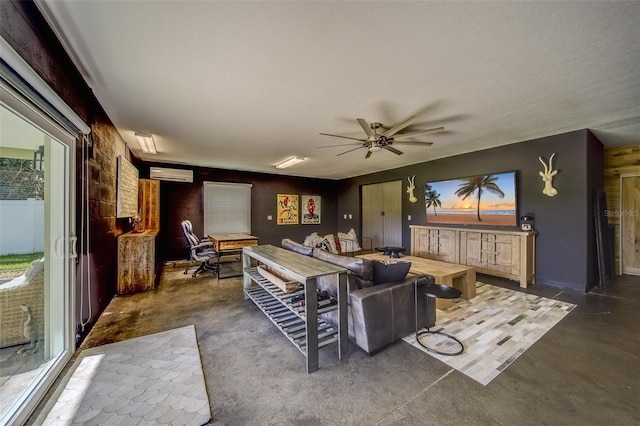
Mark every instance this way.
x=389 y=272
x=296 y=247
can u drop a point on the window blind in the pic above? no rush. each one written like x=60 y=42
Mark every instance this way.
x=227 y=208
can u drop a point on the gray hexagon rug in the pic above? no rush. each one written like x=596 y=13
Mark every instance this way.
x=154 y=379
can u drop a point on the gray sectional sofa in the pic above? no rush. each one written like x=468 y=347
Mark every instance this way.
x=378 y=314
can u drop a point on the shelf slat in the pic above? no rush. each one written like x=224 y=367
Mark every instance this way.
x=295 y=328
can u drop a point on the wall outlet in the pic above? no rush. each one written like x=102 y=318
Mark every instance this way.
x=350 y=216
x=269 y=217
x=345 y=215
x=409 y=217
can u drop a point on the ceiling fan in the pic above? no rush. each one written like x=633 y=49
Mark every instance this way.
x=378 y=137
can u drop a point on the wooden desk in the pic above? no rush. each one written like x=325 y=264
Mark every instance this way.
x=457 y=276
x=231 y=244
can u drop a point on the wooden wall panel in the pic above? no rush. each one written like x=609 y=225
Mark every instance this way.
x=618 y=161
x=149 y=203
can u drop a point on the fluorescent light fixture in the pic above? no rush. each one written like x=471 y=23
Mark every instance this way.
x=289 y=162
x=145 y=140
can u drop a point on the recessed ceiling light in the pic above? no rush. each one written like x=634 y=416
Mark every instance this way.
x=145 y=140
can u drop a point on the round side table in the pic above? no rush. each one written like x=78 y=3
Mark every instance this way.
x=437 y=341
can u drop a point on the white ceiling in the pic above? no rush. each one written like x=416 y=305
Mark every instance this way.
x=245 y=85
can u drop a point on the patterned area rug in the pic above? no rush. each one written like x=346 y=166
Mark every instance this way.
x=496 y=327
x=155 y=379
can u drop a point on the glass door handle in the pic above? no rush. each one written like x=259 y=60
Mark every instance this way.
x=73 y=243
x=72 y=247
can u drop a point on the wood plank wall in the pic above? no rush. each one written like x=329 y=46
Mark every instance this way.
x=149 y=203
x=618 y=161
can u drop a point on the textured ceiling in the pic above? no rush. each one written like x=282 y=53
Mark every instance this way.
x=245 y=85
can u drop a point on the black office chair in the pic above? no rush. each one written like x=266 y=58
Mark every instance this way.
x=199 y=250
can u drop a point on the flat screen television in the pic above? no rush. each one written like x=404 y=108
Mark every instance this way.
x=486 y=200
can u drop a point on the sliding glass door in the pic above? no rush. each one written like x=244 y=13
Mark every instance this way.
x=37 y=251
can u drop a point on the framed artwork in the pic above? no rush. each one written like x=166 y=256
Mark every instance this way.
x=287 y=209
x=127 y=188
x=310 y=209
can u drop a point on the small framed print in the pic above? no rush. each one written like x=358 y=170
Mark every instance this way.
x=311 y=209
x=287 y=209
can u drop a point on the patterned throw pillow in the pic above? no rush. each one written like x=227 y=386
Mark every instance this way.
x=341 y=242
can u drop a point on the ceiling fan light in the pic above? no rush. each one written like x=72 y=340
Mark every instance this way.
x=374 y=148
x=289 y=162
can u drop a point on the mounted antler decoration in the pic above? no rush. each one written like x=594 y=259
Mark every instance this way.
x=547 y=177
x=411 y=188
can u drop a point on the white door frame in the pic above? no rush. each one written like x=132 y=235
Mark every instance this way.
x=63 y=241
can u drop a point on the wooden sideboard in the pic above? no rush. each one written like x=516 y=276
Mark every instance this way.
x=503 y=253
x=136 y=261
x=137 y=250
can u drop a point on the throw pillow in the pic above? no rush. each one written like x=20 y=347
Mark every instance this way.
x=312 y=240
x=388 y=272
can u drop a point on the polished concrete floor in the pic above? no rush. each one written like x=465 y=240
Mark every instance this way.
x=584 y=371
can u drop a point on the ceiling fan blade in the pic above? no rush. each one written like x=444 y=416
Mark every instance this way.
x=395 y=142
x=342 y=144
x=348 y=151
x=368 y=154
x=392 y=149
x=365 y=126
x=345 y=137
x=418 y=133
x=395 y=129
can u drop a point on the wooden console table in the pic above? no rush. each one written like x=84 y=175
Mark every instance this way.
x=503 y=253
x=460 y=277
x=136 y=261
x=300 y=325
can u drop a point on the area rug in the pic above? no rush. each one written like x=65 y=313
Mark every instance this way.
x=496 y=327
x=154 y=379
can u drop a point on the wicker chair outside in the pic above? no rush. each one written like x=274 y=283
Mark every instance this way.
x=27 y=289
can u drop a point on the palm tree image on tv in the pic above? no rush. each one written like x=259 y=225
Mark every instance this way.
x=481 y=200
x=432 y=198
x=478 y=184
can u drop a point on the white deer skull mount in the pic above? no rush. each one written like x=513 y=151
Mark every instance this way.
x=411 y=188
x=547 y=177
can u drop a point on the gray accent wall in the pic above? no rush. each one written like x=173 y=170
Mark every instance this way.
x=565 y=244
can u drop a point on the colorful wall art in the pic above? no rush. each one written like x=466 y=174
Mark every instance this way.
x=287 y=209
x=310 y=209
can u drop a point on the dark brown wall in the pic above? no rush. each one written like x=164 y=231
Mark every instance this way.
x=565 y=243
x=23 y=27
x=180 y=201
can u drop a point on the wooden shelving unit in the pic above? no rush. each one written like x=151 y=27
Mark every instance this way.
x=300 y=324
x=287 y=315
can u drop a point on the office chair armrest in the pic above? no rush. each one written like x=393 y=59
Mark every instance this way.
x=203 y=244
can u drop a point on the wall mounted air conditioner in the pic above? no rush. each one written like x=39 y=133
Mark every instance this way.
x=173 y=175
